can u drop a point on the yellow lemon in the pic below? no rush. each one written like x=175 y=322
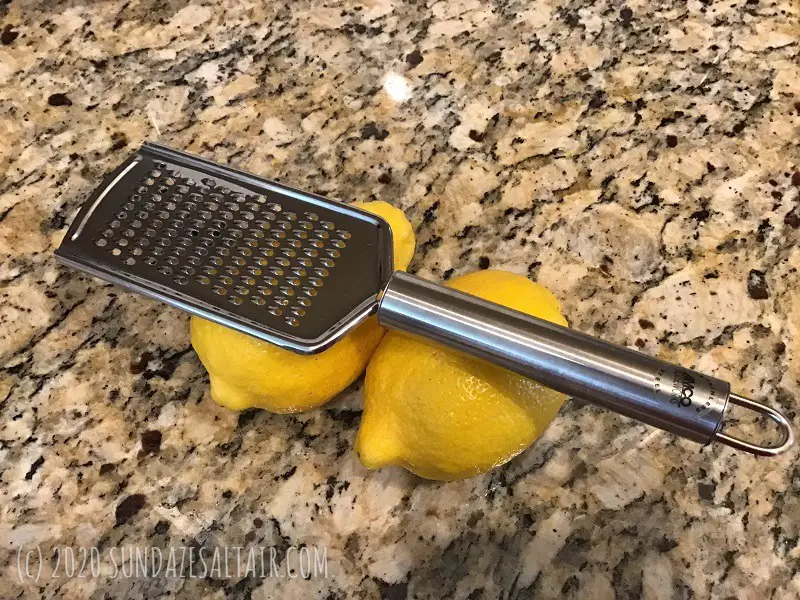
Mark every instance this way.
x=445 y=415
x=246 y=372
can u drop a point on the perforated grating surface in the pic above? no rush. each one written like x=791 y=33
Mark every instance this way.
x=290 y=262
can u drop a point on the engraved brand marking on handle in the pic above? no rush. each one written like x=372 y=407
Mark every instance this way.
x=100 y=198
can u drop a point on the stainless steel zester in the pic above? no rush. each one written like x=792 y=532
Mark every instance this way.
x=300 y=271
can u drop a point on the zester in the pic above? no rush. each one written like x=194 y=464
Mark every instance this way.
x=299 y=271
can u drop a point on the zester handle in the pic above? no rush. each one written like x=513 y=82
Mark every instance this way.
x=671 y=397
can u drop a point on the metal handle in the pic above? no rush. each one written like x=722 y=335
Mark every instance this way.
x=671 y=397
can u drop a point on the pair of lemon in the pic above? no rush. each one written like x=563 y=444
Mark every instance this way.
x=436 y=412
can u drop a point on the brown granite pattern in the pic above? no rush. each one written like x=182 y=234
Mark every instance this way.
x=639 y=159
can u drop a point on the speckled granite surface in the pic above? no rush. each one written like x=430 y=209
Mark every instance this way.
x=639 y=159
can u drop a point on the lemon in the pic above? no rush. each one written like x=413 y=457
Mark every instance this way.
x=445 y=415
x=246 y=372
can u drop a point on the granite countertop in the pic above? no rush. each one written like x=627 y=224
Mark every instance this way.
x=641 y=160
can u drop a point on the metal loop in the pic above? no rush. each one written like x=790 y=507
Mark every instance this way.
x=787 y=438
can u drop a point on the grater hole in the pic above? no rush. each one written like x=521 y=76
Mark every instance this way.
x=241 y=245
x=101 y=242
x=130 y=261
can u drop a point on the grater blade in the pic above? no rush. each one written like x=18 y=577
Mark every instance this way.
x=289 y=267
